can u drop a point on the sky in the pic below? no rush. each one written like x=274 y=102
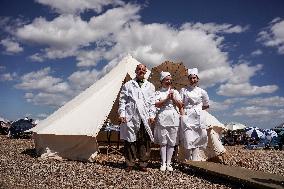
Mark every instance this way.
x=51 y=50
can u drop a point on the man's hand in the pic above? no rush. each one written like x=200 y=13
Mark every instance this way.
x=151 y=121
x=121 y=120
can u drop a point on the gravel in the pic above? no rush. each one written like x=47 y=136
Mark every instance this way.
x=266 y=160
x=21 y=168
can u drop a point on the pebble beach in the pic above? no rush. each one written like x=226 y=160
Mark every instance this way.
x=21 y=168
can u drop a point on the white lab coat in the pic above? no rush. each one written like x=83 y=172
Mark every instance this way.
x=136 y=104
x=168 y=119
x=193 y=127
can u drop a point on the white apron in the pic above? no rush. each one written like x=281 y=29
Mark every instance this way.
x=167 y=121
x=193 y=127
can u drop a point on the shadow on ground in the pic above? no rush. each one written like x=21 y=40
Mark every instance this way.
x=31 y=152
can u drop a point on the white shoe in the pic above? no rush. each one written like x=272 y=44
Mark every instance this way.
x=195 y=154
x=163 y=167
x=169 y=167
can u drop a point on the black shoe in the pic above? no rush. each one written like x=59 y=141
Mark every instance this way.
x=143 y=169
x=129 y=168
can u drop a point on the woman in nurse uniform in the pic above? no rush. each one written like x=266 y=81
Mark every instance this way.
x=193 y=127
x=168 y=103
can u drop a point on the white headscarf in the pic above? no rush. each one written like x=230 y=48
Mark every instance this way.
x=193 y=71
x=164 y=74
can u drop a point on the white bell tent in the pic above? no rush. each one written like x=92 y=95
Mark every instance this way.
x=70 y=132
x=235 y=126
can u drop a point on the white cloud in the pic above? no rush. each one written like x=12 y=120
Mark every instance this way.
x=48 y=99
x=43 y=115
x=80 y=84
x=11 y=47
x=8 y=76
x=259 y=112
x=209 y=77
x=244 y=89
x=252 y=111
x=75 y=6
x=195 y=48
x=257 y=52
x=273 y=35
x=88 y=58
x=216 y=28
x=197 y=45
x=218 y=106
x=276 y=101
x=40 y=80
x=238 y=83
x=36 y=57
x=65 y=34
x=118 y=31
x=62 y=32
x=243 y=72
x=225 y=105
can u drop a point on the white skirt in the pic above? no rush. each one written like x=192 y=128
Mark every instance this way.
x=193 y=136
x=166 y=135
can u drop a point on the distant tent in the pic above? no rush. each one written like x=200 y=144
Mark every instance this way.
x=71 y=131
x=4 y=126
x=20 y=126
x=235 y=126
x=279 y=127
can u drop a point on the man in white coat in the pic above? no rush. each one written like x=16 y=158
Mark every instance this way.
x=136 y=114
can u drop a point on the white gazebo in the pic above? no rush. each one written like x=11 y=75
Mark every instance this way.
x=235 y=126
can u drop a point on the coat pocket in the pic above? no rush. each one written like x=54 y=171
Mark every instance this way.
x=129 y=111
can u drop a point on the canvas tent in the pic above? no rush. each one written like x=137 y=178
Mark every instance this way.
x=70 y=132
x=234 y=126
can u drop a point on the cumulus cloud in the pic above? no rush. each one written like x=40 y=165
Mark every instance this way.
x=273 y=35
x=48 y=99
x=78 y=83
x=8 y=76
x=244 y=89
x=224 y=105
x=197 y=45
x=216 y=28
x=11 y=47
x=89 y=58
x=62 y=32
x=243 y=72
x=44 y=89
x=41 y=80
x=257 y=52
x=276 y=101
x=75 y=6
x=65 y=34
x=43 y=115
x=119 y=31
x=259 y=112
x=238 y=84
x=218 y=106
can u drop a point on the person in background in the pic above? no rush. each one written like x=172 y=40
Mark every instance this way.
x=168 y=103
x=136 y=115
x=193 y=126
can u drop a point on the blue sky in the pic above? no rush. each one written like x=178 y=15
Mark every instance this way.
x=51 y=50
